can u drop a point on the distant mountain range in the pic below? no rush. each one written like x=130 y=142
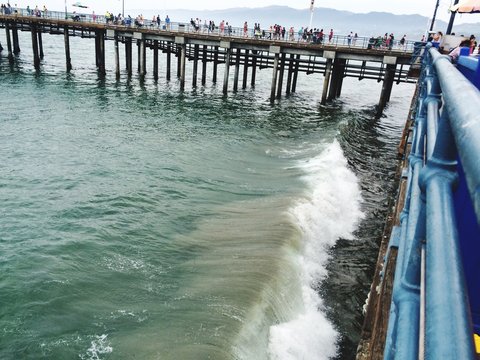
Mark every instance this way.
x=373 y=23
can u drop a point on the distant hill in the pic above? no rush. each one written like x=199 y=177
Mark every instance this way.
x=372 y=23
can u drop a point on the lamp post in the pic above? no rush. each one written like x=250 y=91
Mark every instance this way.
x=66 y=16
x=123 y=9
x=311 y=13
x=452 y=19
x=434 y=15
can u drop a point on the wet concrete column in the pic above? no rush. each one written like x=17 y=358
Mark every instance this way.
x=40 y=44
x=195 y=65
x=226 y=45
x=16 y=45
x=343 y=64
x=179 y=60
x=128 y=55
x=169 y=60
x=245 y=70
x=280 y=76
x=275 y=50
x=9 y=42
x=101 y=52
x=66 y=38
x=237 y=70
x=254 y=67
x=387 y=83
x=329 y=55
x=335 y=80
x=289 y=74
x=204 y=65
x=295 y=74
x=215 y=64
x=155 y=59
x=36 y=57
x=182 y=54
x=117 y=57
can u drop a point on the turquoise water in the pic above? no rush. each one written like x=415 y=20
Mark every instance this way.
x=138 y=222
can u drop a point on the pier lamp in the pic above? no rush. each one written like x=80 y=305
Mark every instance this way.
x=123 y=9
x=66 y=10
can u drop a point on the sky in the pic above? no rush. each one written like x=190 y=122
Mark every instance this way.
x=422 y=7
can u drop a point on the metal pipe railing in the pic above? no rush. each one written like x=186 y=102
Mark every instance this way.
x=441 y=131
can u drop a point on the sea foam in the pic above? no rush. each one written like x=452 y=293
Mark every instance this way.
x=329 y=210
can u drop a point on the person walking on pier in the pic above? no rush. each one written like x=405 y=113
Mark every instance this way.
x=330 y=36
x=349 y=39
x=158 y=21
x=222 y=27
x=167 y=22
x=245 y=29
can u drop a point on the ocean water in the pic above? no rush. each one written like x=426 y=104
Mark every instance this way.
x=139 y=222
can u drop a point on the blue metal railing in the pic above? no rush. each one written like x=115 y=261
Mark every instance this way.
x=266 y=34
x=430 y=314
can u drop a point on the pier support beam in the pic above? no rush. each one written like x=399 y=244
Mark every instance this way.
x=155 y=60
x=337 y=79
x=204 y=65
x=386 y=88
x=195 y=65
x=182 y=48
x=245 y=70
x=16 y=45
x=179 y=60
x=142 y=53
x=128 y=55
x=40 y=44
x=280 y=76
x=9 y=42
x=66 y=38
x=276 y=51
x=169 y=60
x=254 y=67
x=215 y=65
x=326 y=81
x=36 y=57
x=289 y=74
x=100 y=51
x=295 y=74
x=237 y=70
x=117 y=57
x=226 y=74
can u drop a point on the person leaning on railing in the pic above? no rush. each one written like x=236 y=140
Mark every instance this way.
x=455 y=53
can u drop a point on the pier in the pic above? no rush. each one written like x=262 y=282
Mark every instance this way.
x=334 y=61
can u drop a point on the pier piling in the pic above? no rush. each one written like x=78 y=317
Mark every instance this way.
x=183 y=57
x=237 y=70
x=66 y=38
x=280 y=76
x=169 y=60
x=227 y=68
x=254 y=67
x=274 y=77
x=155 y=60
x=329 y=55
x=9 y=42
x=16 y=45
x=128 y=55
x=386 y=88
x=245 y=70
x=295 y=74
x=215 y=65
x=40 y=44
x=195 y=65
x=204 y=65
x=289 y=74
x=36 y=57
x=117 y=57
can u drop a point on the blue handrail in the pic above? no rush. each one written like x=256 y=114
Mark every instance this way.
x=445 y=153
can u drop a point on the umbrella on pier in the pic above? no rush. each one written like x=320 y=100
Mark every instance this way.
x=466 y=6
x=80 y=5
